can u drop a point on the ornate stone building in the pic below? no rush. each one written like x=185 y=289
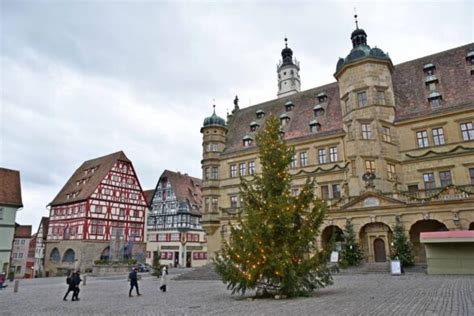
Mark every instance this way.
x=174 y=228
x=385 y=142
x=98 y=214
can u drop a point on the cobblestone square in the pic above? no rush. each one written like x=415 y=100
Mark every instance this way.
x=357 y=294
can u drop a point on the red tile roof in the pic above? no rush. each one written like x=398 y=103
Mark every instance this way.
x=23 y=231
x=456 y=85
x=10 y=188
x=149 y=196
x=102 y=166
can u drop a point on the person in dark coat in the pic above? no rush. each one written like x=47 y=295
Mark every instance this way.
x=70 y=281
x=133 y=282
x=77 y=281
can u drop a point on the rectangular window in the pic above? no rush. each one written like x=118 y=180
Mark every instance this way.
x=467 y=131
x=445 y=178
x=233 y=171
x=471 y=175
x=242 y=169
x=390 y=171
x=347 y=103
x=428 y=179
x=435 y=102
x=214 y=173
x=336 y=191
x=303 y=159
x=438 y=136
x=353 y=168
x=362 y=99
x=370 y=165
x=293 y=161
x=381 y=97
x=294 y=192
x=422 y=139
x=215 y=205
x=207 y=173
x=322 y=155
x=1 y=213
x=324 y=192
x=251 y=167
x=413 y=188
x=332 y=154
x=233 y=201
x=366 y=131
x=386 y=134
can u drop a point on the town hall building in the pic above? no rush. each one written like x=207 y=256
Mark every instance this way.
x=386 y=143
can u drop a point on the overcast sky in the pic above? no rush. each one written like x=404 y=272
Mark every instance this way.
x=84 y=79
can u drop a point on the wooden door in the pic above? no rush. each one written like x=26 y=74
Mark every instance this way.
x=379 y=250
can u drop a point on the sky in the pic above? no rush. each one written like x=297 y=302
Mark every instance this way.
x=82 y=79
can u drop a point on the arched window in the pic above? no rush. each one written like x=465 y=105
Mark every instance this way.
x=69 y=256
x=55 y=256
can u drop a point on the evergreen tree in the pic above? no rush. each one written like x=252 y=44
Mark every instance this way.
x=401 y=246
x=351 y=253
x=272 y=249
x=156 y=267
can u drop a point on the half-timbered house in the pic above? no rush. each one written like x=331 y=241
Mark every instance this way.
x=174 y=230
x=99 y=213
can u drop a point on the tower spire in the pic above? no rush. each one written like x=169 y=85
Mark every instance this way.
x=355 y=17
x=288 y=72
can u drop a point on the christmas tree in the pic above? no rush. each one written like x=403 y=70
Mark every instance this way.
x=401 y=246
x=351 y=253
x=272 y=248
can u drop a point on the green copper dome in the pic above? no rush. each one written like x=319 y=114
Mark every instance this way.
x=214 y=120
x=361 y=50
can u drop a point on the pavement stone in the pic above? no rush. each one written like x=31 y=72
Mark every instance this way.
x=359 y=294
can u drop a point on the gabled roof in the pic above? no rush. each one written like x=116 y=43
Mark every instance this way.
x=149 y=196
x=10 y=188
x=102 y=166
x=45 y=222
x=411 y=100
x=186 y=188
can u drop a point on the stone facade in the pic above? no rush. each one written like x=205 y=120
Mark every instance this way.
x=385 y=143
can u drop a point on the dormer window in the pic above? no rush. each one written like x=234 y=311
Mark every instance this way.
x=435 y=99
x=260 y=114
x=254 y=126
x=247 y=141
x=322 y=97
x=470 y=60
x=318 y=110
x=314 y=126
x=284 y=119
x=429 y=69
x=289 y=106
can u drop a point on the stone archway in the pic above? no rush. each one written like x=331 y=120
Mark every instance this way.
x=105 y=255
x=425 y=225
x=69 y=256
x=55 y=256
x=327 y=234
x=471 y=226
x=374 y=240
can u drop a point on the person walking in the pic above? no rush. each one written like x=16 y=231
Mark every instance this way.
x=133 y=282
x=77 y=281
x=2 y=280
x=164 y=272
x=70 y=282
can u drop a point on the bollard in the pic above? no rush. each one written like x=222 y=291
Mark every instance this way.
x=16 y=286
x=84 y=281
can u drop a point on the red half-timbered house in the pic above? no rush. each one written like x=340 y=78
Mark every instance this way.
x=101 y=202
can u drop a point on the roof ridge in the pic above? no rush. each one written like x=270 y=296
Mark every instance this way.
x=435 y=54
